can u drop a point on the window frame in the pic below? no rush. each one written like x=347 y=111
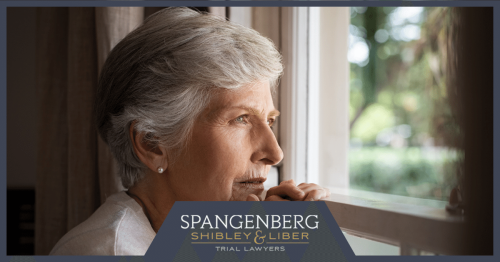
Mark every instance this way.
x=304 y=37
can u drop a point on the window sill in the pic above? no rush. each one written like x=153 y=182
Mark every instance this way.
x=397 y=220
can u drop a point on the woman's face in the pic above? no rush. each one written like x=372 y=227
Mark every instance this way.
x=231 y=149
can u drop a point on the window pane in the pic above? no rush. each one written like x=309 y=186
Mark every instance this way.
x=404 y=136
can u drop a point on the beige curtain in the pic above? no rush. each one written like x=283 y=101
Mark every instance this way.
x=75 y=170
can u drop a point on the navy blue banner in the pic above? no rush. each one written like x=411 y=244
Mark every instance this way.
x=250 y=231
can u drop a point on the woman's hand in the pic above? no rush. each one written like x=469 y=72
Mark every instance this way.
x=287 y=190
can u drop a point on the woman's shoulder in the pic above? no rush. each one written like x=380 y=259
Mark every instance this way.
x=117 y=227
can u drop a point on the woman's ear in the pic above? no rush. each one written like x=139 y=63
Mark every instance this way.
x=153 y=156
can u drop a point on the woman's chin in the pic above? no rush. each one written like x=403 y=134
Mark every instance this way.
x=242 y=190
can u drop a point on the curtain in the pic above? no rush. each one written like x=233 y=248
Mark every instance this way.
x=112 y=24
x=75 y=169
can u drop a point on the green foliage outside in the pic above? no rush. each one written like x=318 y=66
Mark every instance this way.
x=404 y=134
x=413 y=171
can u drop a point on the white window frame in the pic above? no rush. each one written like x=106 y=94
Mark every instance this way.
x=315 y=63
x=293 y=93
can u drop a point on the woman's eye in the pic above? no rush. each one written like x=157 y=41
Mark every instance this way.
x=270 y=122
x=240 y=119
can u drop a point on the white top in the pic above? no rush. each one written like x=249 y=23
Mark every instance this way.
x=117 y=227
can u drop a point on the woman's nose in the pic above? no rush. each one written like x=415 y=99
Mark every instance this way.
x=267 y=148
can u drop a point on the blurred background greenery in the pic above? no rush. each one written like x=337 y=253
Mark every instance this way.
x=404 y=136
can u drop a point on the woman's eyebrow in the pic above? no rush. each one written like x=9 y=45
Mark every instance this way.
x=275 y=113
x=255 y=111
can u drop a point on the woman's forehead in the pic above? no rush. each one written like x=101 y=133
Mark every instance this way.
x=255 y=99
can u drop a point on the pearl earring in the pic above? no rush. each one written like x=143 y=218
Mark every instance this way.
x=160 y=170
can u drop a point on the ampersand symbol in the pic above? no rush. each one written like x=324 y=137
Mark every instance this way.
x=257 y=236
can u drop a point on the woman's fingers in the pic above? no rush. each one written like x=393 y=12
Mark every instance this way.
x=275 y=198
x=327 y=192
x=315 y=195
x=309 y=186
x=252 y=197
x=286 y=190
x=288 y=182
x=314 y=192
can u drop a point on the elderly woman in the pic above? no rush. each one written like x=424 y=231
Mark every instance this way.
x=184 y=103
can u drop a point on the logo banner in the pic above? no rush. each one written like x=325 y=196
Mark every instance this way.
x=249 y=231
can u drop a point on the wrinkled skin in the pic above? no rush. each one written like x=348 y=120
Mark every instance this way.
x=231 y=149
x=228 y=157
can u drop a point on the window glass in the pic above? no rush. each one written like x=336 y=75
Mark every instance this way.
x=404 y=136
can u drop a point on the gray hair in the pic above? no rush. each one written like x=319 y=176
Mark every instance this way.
x=162 y=75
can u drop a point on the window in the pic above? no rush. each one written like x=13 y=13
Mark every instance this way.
x=318 y=104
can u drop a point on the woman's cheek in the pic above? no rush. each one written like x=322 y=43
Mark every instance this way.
x=220 y=187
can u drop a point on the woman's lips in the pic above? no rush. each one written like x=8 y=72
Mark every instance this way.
x=251 y=183
x=244 y=186
x=253 y=180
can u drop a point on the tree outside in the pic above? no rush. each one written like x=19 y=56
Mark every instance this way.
x=404 y=136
